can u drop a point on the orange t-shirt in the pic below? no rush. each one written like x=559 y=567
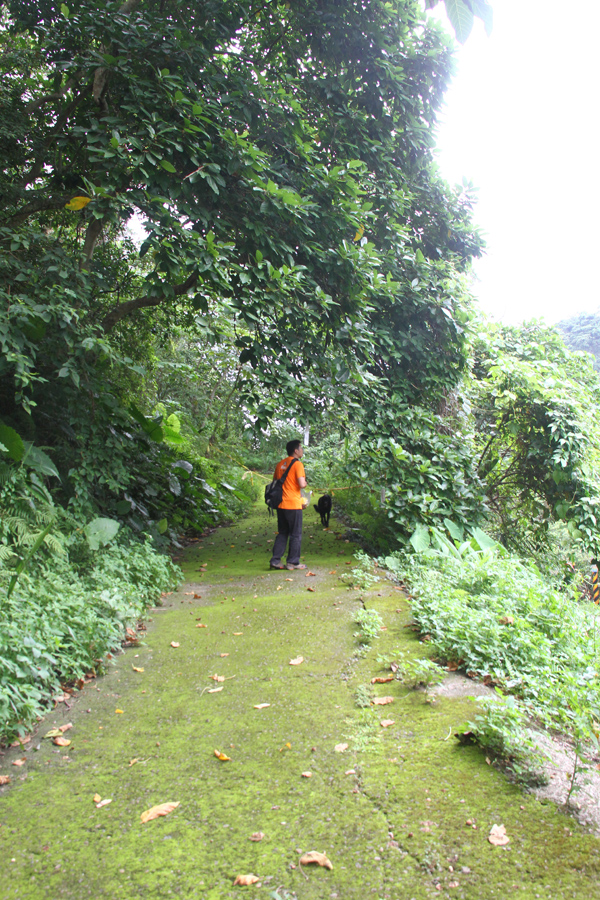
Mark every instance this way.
x=292 y=498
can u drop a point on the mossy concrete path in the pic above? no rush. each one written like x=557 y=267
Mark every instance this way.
x=402 y=812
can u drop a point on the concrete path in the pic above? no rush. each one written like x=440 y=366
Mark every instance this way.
x=400 y=811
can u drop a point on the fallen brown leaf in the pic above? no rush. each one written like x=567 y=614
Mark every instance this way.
x=20 y=762
x=137 y=669
x=222 y=756
x=307 y=774
x=163 y=809
x=237 y=633
x=382 y=701
x=498 y=836
x=385 y=723
x=289 y=579
x=102 y=803
x=246 y=879
x=310 y=589
x=297 y=661
x=306 y=574
x=223 y=654
x=119 y=712
x=174 y=643
x=257 y=836
x=54 y=732
x=350 y=772
x=382 y=679
x=201 y=625
x=507 y=620
x=214 y=690
x=333 y=572
x=217 y=678
x=4 y=779
x=339 y=748
x=317 y=858
x=61 y=741
x=261 y=705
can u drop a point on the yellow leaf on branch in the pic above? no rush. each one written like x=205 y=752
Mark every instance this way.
x=77 y=203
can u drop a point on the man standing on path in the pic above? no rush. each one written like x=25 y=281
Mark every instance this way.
x=289 y=511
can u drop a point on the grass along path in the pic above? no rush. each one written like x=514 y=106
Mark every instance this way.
x=403 y=812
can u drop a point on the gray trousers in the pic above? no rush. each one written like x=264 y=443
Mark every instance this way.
x=289 y=526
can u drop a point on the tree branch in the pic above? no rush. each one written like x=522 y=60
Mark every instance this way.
x=124 y=309
x=93 y=232
x=41 y=205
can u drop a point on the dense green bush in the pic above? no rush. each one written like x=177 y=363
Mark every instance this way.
x=498 y=617
x=68 y=610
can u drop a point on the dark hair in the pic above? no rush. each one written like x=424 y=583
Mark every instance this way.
x=292 y=446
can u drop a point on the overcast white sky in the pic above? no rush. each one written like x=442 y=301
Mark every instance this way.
x=522 y=122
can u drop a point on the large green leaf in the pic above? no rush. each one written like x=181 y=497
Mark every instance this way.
x=420 y=539
x=39 y=461
x=483 y=540
x=12 y=441
x=461 y=18
x=100 y=532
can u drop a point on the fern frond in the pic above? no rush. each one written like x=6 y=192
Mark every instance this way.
x=6 y=554
x=54 y=544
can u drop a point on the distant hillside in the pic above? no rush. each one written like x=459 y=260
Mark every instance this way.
x=582 y=332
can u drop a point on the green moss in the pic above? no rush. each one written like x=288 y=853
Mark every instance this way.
x=408 y=779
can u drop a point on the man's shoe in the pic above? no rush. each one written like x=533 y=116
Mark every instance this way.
x=291 y=567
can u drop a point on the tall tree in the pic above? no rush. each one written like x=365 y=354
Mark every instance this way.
x=279 y=157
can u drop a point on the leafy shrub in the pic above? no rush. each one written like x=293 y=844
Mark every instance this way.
x=361 y=576
x=65 y=615
x=500 y=729
x=370 y=623
x=497 y=617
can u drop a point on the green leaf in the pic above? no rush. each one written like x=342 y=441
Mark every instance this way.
x=169 y=434
x=100 y=532
x=420 y=539
x=39 y=461
x=123 y=507
x=483 y=540
x=162 y=526
x=64 y=10
x=168 y=166
x=13 y=442
x=456 y=532
x=461 y=18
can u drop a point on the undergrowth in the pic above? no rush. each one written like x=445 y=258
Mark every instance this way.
x=67 y=611
x=496 y=616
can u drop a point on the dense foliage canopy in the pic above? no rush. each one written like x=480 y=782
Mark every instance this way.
x=280 y=161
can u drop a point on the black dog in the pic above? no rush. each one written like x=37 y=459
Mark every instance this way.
x=323 y=507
